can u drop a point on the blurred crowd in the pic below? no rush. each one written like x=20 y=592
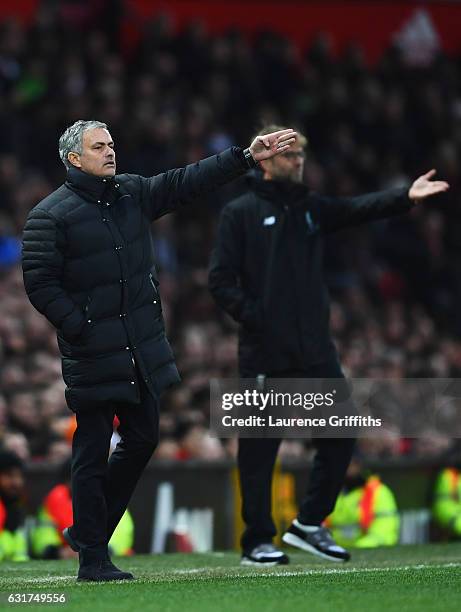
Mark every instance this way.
x=178 y=97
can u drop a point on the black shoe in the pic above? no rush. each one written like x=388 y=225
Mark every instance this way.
x=69 y=538
x=107 y=563
x=264 y=555
x=101 y=572
x=318 y=542
x=96 y=566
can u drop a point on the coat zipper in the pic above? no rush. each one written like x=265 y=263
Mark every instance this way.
x=87 y=308
x=153 y=287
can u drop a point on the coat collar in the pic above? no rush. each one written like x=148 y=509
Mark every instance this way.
x=280 y=192
x=89 y=185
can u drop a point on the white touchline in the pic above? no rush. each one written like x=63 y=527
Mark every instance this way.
x=227 y=572
x=45 y=579
x=310 y=572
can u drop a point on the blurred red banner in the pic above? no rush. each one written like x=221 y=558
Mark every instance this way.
x=373 y=25
x=21 y=9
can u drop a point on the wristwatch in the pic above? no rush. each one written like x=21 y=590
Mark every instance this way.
x=250 y=160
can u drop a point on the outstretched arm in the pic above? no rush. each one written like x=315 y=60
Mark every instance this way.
x=165 y=192
x=336 y=213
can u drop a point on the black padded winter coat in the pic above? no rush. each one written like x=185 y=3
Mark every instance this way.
x=266 y=270
x=88 y=266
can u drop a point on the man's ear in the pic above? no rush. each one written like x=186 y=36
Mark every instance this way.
x=74 y=159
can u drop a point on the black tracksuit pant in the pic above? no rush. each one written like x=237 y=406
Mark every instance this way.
x=256 y=459
x=101 y=489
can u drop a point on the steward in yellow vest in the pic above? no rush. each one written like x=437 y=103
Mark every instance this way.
x=13 y=539
x=56 y=514
x=366 y=514
x=446 y=509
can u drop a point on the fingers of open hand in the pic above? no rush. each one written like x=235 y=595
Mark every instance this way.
x=435 y=186
x=440 y=185
x=283 y=133
x=283 y=148
x=431 y=188
x=430 y=174
x=286 y=141
x=278 y=139
x=283 y=143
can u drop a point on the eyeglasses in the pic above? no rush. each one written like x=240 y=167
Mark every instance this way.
x=294 y=154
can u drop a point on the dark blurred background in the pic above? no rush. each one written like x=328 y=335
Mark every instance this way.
x=377 y=91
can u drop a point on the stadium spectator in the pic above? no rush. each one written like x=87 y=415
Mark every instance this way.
x=13 y=538
x=55 y=514
x=365 y=514
x=16 y=443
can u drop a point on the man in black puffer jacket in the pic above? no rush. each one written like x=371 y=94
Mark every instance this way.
x=267 y=273
x=88 y=266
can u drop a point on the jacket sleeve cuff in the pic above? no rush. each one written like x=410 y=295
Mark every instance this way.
x=247 y=160
x=403 y=194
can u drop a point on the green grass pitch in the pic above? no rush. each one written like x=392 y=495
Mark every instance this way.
x=424 y=578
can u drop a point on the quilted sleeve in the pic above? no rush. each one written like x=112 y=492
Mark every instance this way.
x=166 y=192
x=42 y=264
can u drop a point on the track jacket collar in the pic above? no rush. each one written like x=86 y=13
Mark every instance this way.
x=279 y=192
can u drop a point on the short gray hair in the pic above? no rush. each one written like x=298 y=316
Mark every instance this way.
x=71 y=139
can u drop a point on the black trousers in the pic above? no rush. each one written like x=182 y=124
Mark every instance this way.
x=102 y=488
x=256 y=459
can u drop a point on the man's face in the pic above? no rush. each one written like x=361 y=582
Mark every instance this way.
x=12 y=483
x=287 y=166
x=98 y=155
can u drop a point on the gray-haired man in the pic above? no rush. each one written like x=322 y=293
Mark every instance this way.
x=89 y=268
